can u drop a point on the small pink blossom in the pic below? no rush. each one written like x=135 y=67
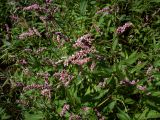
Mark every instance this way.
x=74 y=117
x=149 y=70
x=46 y=93
x=40 y=50
x=19 y=84
x=81 y=61
x=26 y=34
x=62 y=36
x=106 y=10
x=84 y=42
x=14 y=17
x=99 y=115
x=29 y=33
x=33 y=86
x=36 y=32
x=23 y=62
x=120 y=30
x=93 y=65
x=127 y=82
x=142 y=88
x=48 y=1
x=65 y=108
x=78 y=57
x=64 y=77
x=32 y=7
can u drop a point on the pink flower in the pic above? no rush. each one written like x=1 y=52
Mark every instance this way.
x=31 y=32
x=99 y=115
x=46 y=93
x=33 y=86
x=23 y=62
x=14 y=17
x=149 y=70
x=93 y=65
x=65 y=108
x=107 y=10
x=74 y=117
x=84 y=42
x=48 y=1
x=26 y=34
x=81 y=61
x=120 y=30
x=64 y=77
x=127 y=82
x=142 y=88
x=32 y=7
x=36 y=32
x=79 y=57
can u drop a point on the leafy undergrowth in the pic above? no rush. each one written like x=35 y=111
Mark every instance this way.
x=79 y=59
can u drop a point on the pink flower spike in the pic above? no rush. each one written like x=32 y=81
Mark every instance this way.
x=65 y=108
x=142 y=88
x=32 y=7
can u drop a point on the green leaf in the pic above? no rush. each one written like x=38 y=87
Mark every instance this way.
x=138 y=67
x=115 y=43
x=112 y=105
x=122 y=115
x=88 y=91
x=102 y=93
x=132 y=58
x=83 y=6
x=36 y=116
x=156 y=94
x=129 y=101
x=153 y=114
x=147 y=114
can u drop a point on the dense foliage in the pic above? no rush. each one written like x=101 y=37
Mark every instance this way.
x=79 y=59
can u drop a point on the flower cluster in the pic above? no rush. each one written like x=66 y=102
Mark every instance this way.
x=32 y=7
x=142 y=88
x=79 y=57
x=64 y=77
x=97 y=28
x=65 y=108
x=42 y=74
x=149 y=70
x=45 y=88
x=106 y=10
x=93 y=65
x=84 y=42
x=74 y=117
x=127 y=82
x=31 y=32
x=14 y=17
x=131 y=83
x=27 y=72
x=99 y=115
x=60 y=35
x=40 y=50
x=120 y=30
x=19 y=84
x=33 y=86
x=48 y=1
x=23 y=62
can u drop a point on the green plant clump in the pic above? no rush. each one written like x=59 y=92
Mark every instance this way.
x=79 y=59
